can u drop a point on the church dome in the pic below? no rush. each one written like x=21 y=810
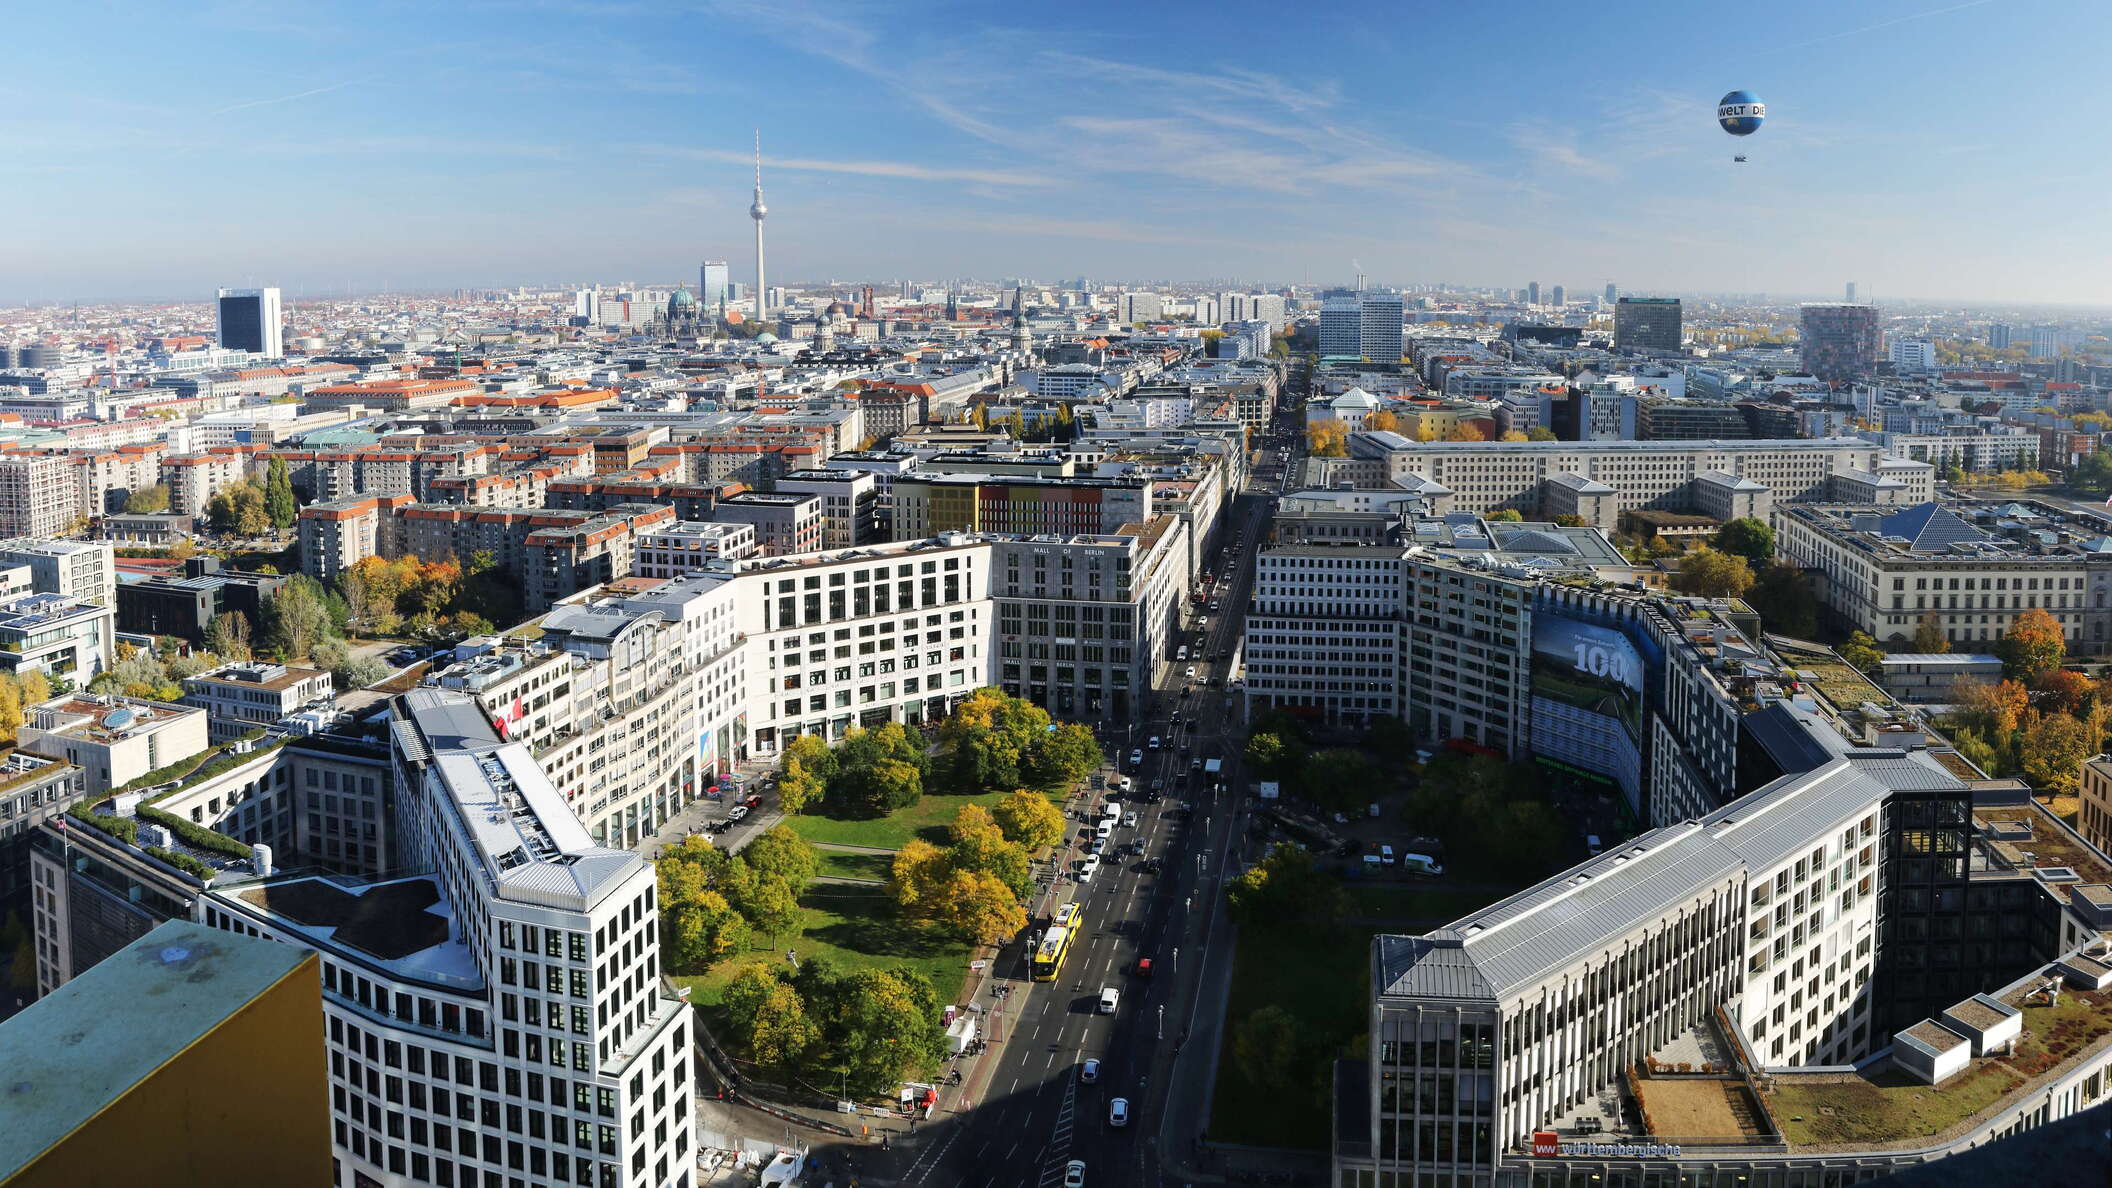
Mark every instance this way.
x=766 y=339
x=682 y=303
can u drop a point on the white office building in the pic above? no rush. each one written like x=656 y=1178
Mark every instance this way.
x=251 y=320
x=499 y=1019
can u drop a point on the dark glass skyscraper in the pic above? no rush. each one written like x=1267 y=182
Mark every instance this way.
x=1646 y=324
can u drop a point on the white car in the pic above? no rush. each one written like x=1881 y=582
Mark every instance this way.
x=1118 y=1112
x=1154 y=744
x=1129 y=819
x=1090 y=868
x=1089 y=1072
x=739 y=811
x=1074 y=1174
x=1191 y=672
x=1110 y=998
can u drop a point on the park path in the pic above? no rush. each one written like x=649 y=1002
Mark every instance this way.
x=847 y=848
x=846 y=881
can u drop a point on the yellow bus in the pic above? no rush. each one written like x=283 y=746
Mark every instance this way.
x=1049 y=953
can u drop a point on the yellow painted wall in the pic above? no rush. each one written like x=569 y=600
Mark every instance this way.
x=248 y=1103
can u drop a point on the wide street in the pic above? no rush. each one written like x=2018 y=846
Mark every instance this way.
x=1024 y=1113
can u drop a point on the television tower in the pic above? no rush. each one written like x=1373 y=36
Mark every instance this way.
x=756 y=211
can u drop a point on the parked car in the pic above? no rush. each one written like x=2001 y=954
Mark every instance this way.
x=739 y=811
x=754 y=800
x=1074 y=1174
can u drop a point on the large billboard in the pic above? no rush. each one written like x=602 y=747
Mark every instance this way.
x=1588 y=698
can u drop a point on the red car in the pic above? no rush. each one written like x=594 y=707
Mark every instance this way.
x=1144 y=967
x=754 y=800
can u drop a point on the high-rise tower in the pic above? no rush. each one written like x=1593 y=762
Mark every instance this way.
x=756 y=211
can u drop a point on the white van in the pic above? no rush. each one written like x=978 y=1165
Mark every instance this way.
x=1110 y=998
x=1182 y=653
x=1110 y=810
x=1386 y=855
x=1107 y=826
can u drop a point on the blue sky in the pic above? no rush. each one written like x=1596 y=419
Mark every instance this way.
x=1924 y=148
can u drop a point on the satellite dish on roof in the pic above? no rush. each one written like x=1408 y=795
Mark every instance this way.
x=119 y=719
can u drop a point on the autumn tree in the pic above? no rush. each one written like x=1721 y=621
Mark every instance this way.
x=237 y=509
x=1541 y=433
x=780 y=853
x=1029 y=819
x=2067 y=691
x=1466 y=431
x=1513 y=435
x=11 y=717
x=979 y=908
x=147 y=501
x=1710 y=574
x=1995 y=710
x=1328 y=439
x=227 y=636
x=770 y=1018
x=1862 y=652
x=1929 y=638
x=980 y=847
x=916 y=877
x=2052 y=751
x=796 y=789
x=2032 y=646
x=1382 y=422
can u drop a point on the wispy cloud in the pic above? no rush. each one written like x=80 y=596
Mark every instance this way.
x=1898 y=20
x=1556 y=150
x=284 y=98
x=903 y=169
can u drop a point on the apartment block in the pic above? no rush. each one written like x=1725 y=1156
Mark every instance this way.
x=38 y=495
x=338 y=534
x=926 y=503
x=850 y=504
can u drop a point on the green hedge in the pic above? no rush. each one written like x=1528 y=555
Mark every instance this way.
x=194 y=835
x=204 y=765
x=183 y=862
x=123 y=829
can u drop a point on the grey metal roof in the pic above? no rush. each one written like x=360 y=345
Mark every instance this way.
x=1521 y=941
x=1929 y=528
x=1795 y=738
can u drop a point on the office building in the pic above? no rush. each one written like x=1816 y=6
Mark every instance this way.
x=1970 y=567
x=1532 y=293
x=2093 y=818
x=1999 y=335
x=39 y=496
x=1341 y=326
x=33 y=789
x=57 y=636
x=1613 y=292
x=85 y=571
x=712 y=278
x=586 y=305
x=1850 y=293
x=250 y=320
x=182 y=1009
x=113 y=740
x=1647 y=324
x=1559 y=297
x=1488 y=475
x=254 y=695
x=1873 y=900
x=850 y=507
x=185 y=607
x=2045 y=342
x=1379 y=326
x=1691 y=420
x=1838 y=342
x=928 y=503
x=501 y=1017
x=1913 y=354
x=1132 y=308
x=690 y=545
x=784 y=523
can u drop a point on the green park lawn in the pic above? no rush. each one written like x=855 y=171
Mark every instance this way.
x=926 y=819
x=856 y=929
x=844 y=864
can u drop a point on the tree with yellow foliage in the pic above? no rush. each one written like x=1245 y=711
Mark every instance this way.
x=1466 y=431
x=1382 y=422
x=1328 y=439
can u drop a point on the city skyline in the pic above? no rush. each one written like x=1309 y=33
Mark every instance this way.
x=1049 y=150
